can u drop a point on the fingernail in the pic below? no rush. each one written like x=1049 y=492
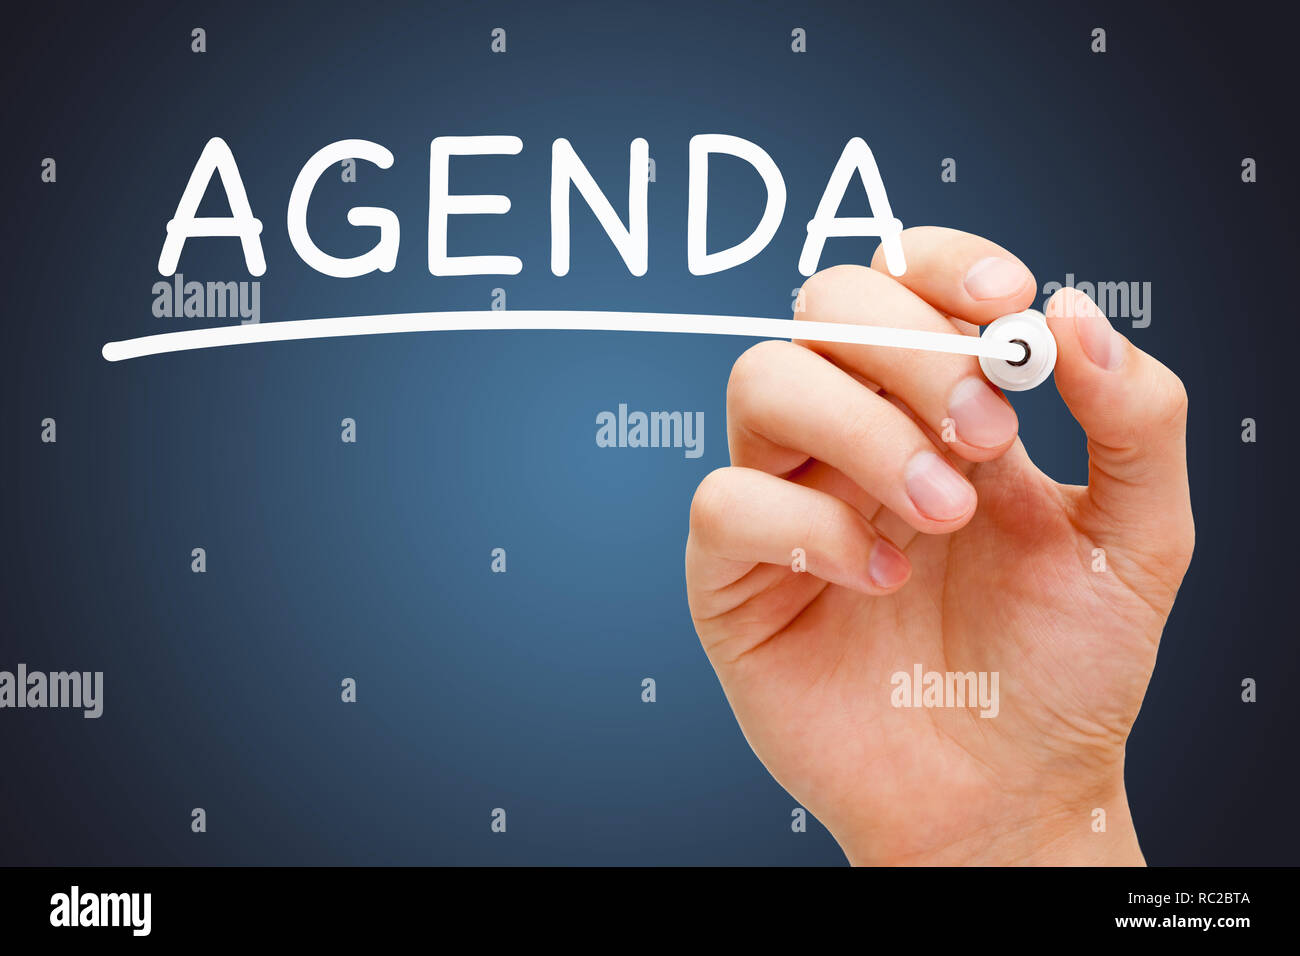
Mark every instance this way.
x=1100 y=341
x=982 y=418
x=995 y=278
x=888 y=566
x=936 y=488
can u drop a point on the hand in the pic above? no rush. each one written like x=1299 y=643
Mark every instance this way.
x=956 y=555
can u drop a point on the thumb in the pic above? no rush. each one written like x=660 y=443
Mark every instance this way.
x=1134 y=412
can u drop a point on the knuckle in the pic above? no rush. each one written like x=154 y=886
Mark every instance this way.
x=836 y=528
x=1171 y=398
x=710 y=502
x=860 y=429
x=1178 y=398
x=1184 y=544
x=816 y=288
x=1167 y=556
x=752 y=365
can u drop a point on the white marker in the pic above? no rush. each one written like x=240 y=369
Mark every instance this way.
x=1029 y=329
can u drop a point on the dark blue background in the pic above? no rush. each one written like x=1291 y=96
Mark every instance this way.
x=371 y=561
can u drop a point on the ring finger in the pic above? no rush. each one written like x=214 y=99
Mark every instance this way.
x=785 y=405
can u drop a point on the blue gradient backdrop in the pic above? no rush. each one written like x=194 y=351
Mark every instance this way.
x=371 y=561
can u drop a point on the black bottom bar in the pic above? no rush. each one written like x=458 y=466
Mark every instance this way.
x=608 y=905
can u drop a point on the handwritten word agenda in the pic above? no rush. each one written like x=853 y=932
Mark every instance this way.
x=567 y=169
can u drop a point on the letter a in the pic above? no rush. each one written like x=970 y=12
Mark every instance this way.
x=857 y=155
x=216 y=157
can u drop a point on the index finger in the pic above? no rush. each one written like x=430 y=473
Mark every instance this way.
x=964 y=276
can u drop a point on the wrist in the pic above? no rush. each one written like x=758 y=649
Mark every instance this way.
x=1095 y=831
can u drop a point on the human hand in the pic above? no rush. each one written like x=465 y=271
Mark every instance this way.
x=839 y=450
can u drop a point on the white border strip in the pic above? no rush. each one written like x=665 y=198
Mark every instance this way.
x=580 y=321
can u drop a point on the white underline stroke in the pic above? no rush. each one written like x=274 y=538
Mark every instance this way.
x=552 y=320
